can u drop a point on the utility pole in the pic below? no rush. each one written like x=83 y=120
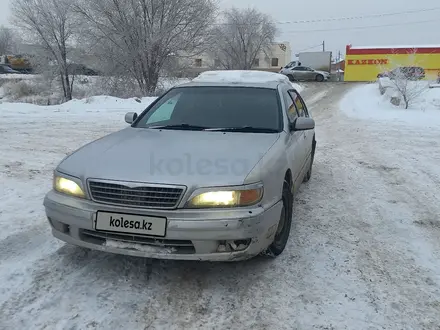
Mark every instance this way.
x=339 y=66
x=323 y=46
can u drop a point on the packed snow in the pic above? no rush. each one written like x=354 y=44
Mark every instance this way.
x=242 y=76
x=138 y=247
x=364 y=250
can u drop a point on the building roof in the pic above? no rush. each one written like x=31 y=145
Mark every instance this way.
x=396 y=49
x=395 y=46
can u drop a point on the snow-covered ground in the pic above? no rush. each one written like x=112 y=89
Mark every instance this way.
x=366 y=102
x=364 y=251
x=38 y=89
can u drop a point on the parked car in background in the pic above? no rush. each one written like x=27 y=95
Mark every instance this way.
x=406 y=72
x=4 y=69
x=81 y=70
x=305 y=73
x=206 y=172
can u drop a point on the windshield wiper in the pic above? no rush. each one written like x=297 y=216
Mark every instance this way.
x=181 y=126
x=244 y=129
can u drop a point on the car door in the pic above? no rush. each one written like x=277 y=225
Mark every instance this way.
x=309 y=74
x=298 y=73
x=295 y=142
x=303 y=112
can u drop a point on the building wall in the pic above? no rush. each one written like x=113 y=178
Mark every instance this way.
x=364 y=64
x=280 y=55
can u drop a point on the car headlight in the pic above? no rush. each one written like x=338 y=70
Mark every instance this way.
x=68 y=187
x=226 y=198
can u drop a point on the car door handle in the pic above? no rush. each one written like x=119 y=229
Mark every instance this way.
x=304 y=136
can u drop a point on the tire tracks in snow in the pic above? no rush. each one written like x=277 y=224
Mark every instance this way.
x=401 y=279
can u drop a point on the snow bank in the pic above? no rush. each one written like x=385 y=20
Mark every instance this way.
x=17 y=76
x=41 y=90
x=96 y=104
x=366 y=102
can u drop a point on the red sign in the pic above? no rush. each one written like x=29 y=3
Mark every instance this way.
x=383 y=61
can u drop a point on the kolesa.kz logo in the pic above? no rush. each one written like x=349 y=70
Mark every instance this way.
x=121 y=223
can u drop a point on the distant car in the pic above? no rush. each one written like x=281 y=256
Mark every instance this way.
x=4 y=69
x=81 y=70
x=206 y=172
x=305 y=73
x=406 y=72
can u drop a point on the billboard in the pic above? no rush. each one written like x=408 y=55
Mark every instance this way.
x=365 y=64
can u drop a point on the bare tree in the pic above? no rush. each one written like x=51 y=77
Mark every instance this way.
x=7 y=40
x=406 y=80
x=50 y=24
x=136 y=38
x=242 y=37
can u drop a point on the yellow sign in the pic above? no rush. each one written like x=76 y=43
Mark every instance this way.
x=367 y=64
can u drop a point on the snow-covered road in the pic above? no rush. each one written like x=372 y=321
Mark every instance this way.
x=364 y=252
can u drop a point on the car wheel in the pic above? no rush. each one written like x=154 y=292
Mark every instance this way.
x=320 y=78
x=291 y=77
x=284 y=224
x=309 y=172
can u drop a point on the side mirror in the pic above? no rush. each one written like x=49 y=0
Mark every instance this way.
x=130 y=117
x=302 y=124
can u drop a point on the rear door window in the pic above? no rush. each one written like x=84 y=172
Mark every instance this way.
x=292 y=111
x=300 y=105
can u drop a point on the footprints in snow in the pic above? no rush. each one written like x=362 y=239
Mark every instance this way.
x=16 y=169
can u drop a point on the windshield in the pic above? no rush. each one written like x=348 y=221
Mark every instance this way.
x=215 y=107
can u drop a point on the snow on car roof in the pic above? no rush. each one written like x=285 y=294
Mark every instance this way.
x=240 y=76
x=395 y=46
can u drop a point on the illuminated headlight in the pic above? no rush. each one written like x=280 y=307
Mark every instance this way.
x=226 y=198
x=68 y=187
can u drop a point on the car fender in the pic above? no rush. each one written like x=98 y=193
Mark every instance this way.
x=270 y=170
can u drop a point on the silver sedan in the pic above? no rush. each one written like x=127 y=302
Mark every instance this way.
x=207 y=172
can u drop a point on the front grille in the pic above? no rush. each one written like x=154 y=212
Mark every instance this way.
x=181 y=246
x=148 y=196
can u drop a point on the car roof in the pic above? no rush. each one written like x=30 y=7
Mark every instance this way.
x=238 y=78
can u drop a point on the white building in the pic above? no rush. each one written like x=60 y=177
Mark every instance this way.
x=279 y=56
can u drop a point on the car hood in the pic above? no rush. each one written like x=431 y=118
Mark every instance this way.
x=191 y=158
x=323 y=72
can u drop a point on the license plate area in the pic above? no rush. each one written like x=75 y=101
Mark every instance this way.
x=127 y=223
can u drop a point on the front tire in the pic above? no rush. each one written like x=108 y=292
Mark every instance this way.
x=283 y=231
x=291 y=77
x=320 y=78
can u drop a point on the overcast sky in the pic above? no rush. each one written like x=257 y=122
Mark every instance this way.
x=338 y=33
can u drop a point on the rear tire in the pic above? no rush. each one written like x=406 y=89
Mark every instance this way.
x=283 y=230
x=320 y=78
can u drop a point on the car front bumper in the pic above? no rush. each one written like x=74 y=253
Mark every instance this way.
x=191 y=234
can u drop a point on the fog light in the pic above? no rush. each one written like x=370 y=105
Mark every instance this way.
x=233 y=246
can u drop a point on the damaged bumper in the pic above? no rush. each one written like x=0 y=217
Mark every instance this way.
x=211 y=235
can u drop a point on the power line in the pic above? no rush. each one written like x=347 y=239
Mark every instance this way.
x=361 y=27
x=331 y=19
x=335 y=19
x=311 y=47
